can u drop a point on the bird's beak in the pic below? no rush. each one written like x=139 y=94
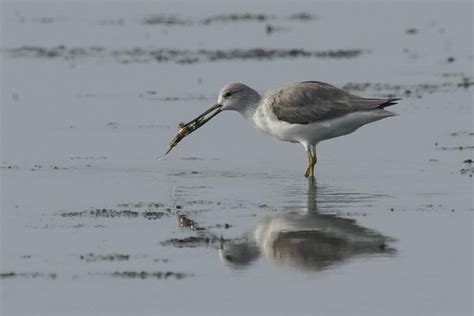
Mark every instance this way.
x=215 y=109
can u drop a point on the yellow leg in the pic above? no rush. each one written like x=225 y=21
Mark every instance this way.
x=306 y=174
x=312 y=159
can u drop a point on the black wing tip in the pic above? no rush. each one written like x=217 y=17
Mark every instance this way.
x=389 y=102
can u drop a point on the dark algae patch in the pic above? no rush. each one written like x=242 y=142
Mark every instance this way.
x=223 y=18
x=162 y=19
x=153 y=215
x=236 y=17
x=142 y=205
x=405 y=90
x=462 y=139
x=102 y=213
x=190 y=242
x=303 y=16
x=265 y=53
x=35 y=167
x=53 y=52
x=148 y=275
x=143 y=210
x=179 y=56
x=111 y=213
x=467 y=171
x=459 y=148
x=462 y=133
x=92 y=257
x=32 y=275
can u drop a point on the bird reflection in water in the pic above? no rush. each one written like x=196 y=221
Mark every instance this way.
x=309 y=240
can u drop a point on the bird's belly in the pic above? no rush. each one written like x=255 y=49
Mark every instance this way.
x=343 y=125
x=313 y=133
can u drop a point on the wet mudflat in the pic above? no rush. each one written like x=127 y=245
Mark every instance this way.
x=93 y=223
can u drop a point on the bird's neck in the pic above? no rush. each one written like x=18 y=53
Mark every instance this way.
x=249 y=110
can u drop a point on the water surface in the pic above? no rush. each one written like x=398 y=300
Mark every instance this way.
x=93 y=223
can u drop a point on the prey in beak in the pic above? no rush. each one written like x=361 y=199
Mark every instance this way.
x=186 y=129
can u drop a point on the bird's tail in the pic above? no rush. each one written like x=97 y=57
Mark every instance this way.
x=388 y=102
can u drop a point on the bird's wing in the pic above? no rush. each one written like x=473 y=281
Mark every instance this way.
x=312 y=101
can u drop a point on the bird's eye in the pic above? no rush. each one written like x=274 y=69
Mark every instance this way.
x=227 y=94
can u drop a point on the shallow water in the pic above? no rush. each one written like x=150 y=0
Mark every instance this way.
x=93 y=223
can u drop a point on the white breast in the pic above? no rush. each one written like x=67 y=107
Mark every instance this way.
x=266 y=121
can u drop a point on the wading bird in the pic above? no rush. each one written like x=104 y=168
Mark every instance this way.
x=305 y=112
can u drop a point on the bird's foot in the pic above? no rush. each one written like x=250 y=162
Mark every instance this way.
x=306 y=174
x=309 y=173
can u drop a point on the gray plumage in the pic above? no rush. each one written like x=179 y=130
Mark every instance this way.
x=312 y=101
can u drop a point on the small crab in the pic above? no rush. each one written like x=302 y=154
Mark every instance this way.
x=184 y=129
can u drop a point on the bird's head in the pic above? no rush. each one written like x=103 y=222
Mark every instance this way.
x=237 y=97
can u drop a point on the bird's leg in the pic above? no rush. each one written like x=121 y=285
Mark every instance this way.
x=315 y=159
x=310 y=163
x=312 y=159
